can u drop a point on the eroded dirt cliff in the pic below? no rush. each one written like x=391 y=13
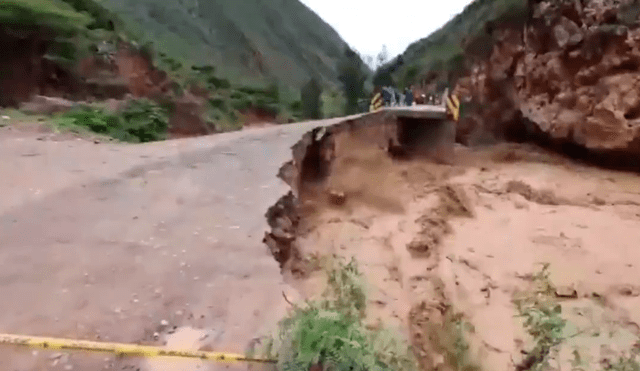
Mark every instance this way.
x=449 y=247
x=570 y=74
x=328 y=150
x=36 y=82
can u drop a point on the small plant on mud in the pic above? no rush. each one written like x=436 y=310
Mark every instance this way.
x=329 y=334
x=461 y=359
x=543 y=320
x=628 y=362
x=345 y=289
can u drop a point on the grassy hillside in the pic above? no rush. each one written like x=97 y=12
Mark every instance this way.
x=293 y=42
x=70 y=27
x=45 y=13
x=249 y=55
x=442 y=51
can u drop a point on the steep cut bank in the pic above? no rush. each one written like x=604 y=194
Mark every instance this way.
x=567 y=76
x=448 y=248
x=324 y=150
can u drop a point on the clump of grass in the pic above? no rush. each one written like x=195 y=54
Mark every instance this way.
x=141 y=121
x=329 y=334
x=626 y=362
x=543 y=321
x=459 y=356
x=440 y=334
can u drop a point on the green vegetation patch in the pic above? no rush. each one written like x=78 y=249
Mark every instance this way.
x=445 y=51
x=141 y=121
x=543 y=320
x=73 y=29
x=330 y=334
x=53 y=14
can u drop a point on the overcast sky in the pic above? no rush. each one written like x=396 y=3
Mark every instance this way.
x=366 y=24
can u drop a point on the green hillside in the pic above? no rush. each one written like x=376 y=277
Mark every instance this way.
x=245 y=55
x=442 y=51
x=293 y=42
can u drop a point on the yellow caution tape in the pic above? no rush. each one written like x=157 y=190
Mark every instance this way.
x=454 y=107
x=123 y=349
x=376 y=102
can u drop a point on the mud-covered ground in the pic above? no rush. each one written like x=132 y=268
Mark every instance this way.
x=445 y=245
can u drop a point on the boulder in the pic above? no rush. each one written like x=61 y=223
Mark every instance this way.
x=567 y=33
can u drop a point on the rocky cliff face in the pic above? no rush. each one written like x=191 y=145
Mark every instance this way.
x=571 y=74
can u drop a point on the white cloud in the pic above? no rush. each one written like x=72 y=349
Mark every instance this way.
x=367 y=25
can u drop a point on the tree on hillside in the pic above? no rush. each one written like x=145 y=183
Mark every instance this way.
x=352 y=75
x=382 y=57
x=310 y=96
x=383 y=77
x=369 y=61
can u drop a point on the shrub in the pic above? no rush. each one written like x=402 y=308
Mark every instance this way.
x=241 y=103
x=219 y=83
x=543 y=320
x=330 y=333
x=238 y=95
x=218 y=103
x=145 y=120
x=296 y=106
x=90 y=118
x=141 y=121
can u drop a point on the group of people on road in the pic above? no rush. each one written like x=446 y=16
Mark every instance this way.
x=390 y=96
x=393 y=97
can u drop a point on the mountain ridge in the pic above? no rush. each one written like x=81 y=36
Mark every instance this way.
x=250 y=39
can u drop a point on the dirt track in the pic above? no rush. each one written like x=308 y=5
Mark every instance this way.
x=106 y=241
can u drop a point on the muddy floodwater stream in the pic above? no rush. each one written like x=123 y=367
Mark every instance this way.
x=447 y=246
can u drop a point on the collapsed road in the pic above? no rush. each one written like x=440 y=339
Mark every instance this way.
x=126 y=243
x=450 y=236
x=151 y=244
x=160 y=243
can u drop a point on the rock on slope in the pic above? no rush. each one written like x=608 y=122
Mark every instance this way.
x=572 y=73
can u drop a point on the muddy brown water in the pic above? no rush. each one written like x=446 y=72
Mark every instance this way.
x=441 y=242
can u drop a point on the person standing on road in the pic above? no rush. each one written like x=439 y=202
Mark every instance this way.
x=394 y=96
x=408 y=96
x=388 y=96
